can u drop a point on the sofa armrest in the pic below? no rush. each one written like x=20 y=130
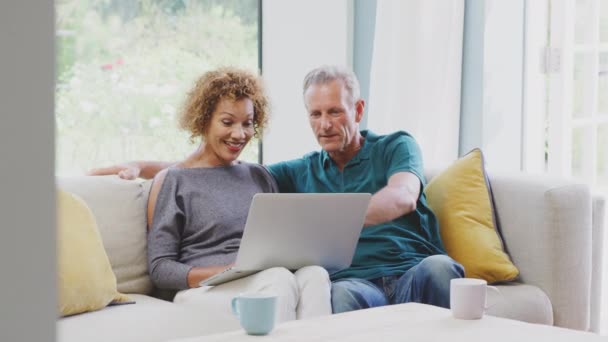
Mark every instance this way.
x=546 y=227
x=597 y=264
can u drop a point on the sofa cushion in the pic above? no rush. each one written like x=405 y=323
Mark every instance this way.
x=119 y=209
x=86 y=281
x=521 y=302
x=148 y=320
x=460 y=197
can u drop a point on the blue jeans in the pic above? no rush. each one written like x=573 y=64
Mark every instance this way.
x=428 y=283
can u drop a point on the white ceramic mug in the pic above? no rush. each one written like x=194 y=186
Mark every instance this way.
x=468 y=297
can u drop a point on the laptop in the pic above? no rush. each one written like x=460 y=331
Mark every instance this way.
x=297 y=230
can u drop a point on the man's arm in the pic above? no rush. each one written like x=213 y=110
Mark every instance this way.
x=133 y=169
x=396 y=199
x=282 y=174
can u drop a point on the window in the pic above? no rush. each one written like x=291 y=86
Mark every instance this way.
x=574 y=86
x=577 y=90
x=124 y=68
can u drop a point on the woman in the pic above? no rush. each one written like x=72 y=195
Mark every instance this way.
x=197 y=208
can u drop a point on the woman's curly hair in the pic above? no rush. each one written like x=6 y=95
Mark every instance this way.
x=216 y=85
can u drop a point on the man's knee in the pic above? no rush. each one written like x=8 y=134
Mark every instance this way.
x=351 y=294
x=430 y=281
x=439 y=267
x=342 y=291
x=345 y=297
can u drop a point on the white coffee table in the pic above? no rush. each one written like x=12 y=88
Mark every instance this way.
x=407 y=322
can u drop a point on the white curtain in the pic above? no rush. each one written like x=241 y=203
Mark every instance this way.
x=415 y=74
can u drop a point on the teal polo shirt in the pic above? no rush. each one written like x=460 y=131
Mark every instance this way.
x=390 y=248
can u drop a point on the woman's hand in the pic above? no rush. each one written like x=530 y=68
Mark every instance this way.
x=198 y=274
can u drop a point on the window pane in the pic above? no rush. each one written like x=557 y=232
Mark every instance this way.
x=583 y=77
x=602 y=96
x=602 y=156
x=585 y=28
x=125 y=66
x=581 y=137
x=604 y=21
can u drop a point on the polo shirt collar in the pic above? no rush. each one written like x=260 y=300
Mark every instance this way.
x=362 y=154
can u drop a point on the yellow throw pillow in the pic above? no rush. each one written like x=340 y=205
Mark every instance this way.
x=460 y=198
x=86 y=280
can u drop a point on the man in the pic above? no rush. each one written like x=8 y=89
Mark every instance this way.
x=400 y=256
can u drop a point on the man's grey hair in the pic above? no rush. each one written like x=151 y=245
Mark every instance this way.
x=329 y=73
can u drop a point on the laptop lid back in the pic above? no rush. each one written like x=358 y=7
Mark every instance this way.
x=297 y=230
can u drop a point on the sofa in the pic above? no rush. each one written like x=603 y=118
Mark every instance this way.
x=551 y=228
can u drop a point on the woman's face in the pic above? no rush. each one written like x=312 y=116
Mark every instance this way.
x=230 y=129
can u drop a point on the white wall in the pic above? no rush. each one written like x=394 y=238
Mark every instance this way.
x=298 y=36
x=27 y=221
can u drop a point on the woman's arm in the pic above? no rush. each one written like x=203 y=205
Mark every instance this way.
x=198 y=274
x=165 y=236
x=165 y=246
x=152 y=198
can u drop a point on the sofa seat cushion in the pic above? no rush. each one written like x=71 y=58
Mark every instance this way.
x=148 y=320
x=522 y=302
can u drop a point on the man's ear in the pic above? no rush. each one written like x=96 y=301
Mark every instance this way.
x=359 y=109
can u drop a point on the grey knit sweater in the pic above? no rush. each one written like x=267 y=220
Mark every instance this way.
x=199 y=219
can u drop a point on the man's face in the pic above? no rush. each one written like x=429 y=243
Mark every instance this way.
x=333 y=119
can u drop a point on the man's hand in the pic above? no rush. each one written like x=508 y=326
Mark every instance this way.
x=133 y=169
x=125 y=171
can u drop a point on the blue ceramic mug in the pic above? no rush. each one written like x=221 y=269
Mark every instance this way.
x=256 y=312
